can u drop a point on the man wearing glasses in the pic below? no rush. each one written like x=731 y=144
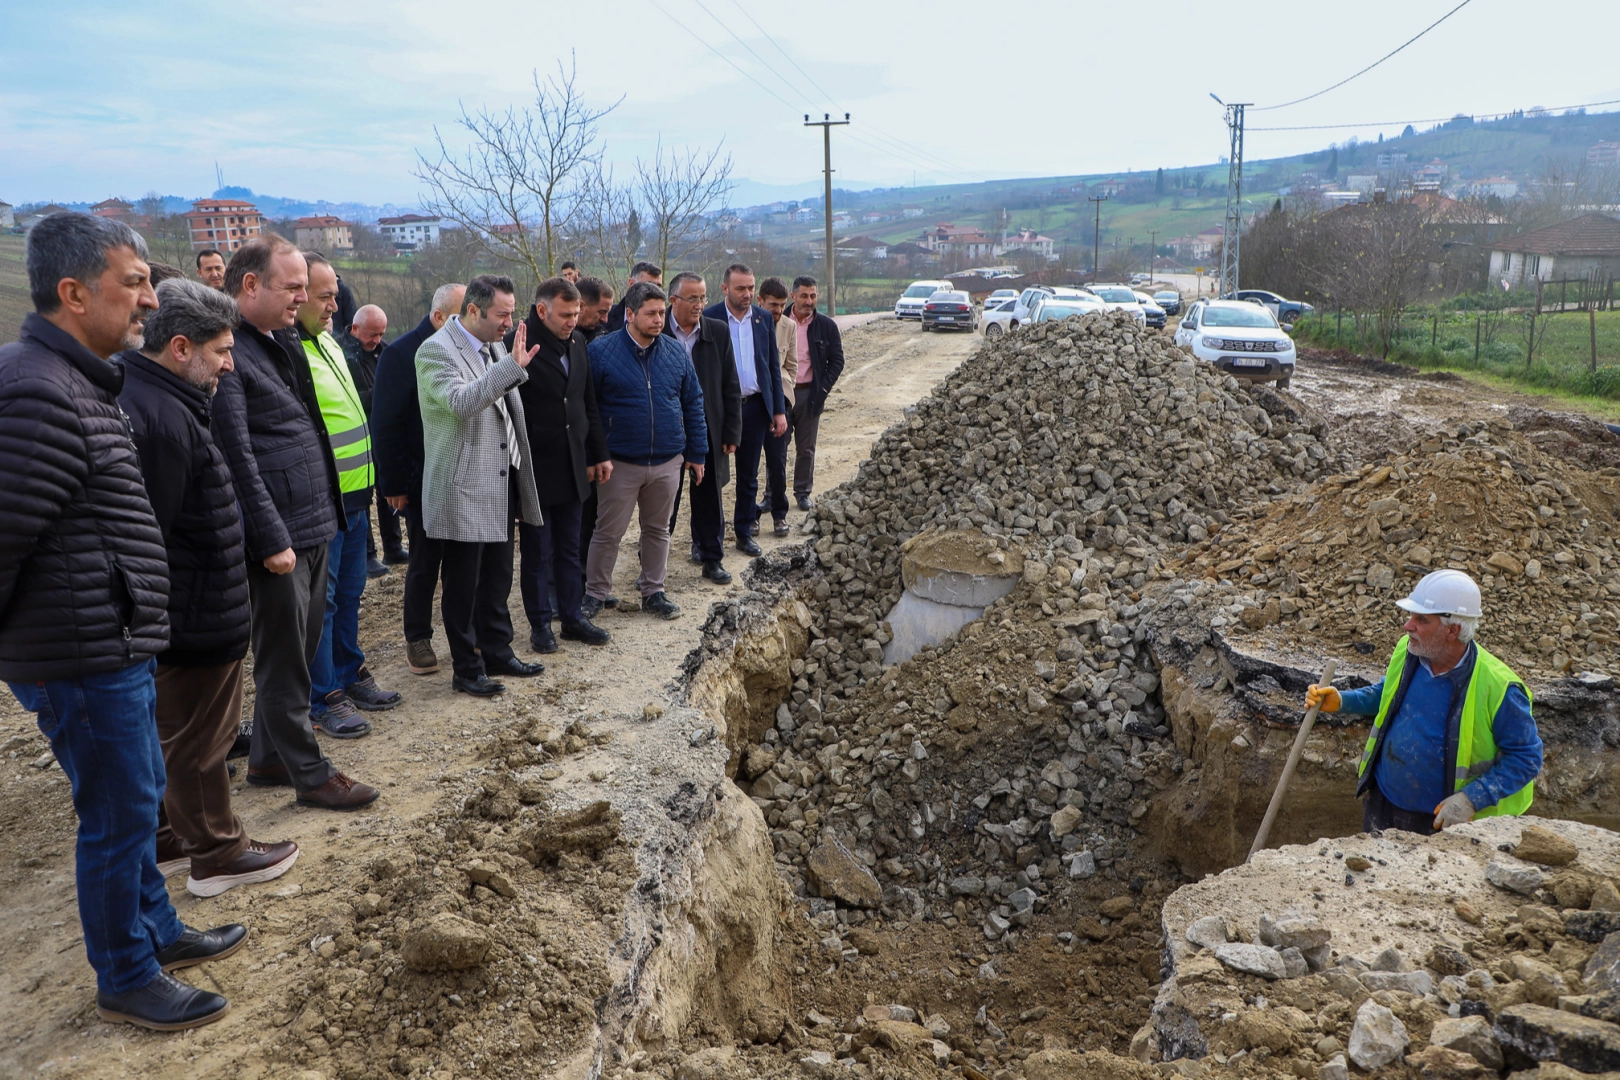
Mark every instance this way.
x=708 y=346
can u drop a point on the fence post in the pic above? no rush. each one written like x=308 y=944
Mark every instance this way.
x=1539 y=285
x=1434 y=330
x=1476 y=340
x=1530 y=346
x=1338 y=331
x=1591 y=317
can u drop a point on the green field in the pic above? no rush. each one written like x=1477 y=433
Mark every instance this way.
x=14 y=303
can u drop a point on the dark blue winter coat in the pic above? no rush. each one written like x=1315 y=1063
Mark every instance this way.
x=650 y=400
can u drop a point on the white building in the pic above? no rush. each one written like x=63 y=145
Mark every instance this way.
x=409 y=232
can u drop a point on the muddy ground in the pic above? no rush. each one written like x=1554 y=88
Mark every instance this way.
x=1068 y=990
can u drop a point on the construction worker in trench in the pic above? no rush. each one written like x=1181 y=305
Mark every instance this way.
x=1452 y=729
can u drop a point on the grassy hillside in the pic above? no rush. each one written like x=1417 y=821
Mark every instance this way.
x=14 y=302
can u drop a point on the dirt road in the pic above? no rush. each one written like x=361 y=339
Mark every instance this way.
x=47 y=1014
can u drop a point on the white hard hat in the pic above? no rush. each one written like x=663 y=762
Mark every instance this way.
x=1444 y=592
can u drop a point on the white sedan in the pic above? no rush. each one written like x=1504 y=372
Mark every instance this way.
x=999 y=317
x=1242 y=339
x=1120 y=298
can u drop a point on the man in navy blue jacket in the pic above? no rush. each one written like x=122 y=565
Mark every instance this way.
x=652 y=410
x=759 y=374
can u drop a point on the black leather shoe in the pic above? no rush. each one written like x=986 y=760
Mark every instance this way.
x=269 y=776
x=716 y=572
x=697 y=556
x=591 y=607
x=397 y=557
x=747 y=546
x=164 y=1004
x=514 y=667
x=201 y=946
x=804 y=502
x=780 y=527
x=375 y=569
x=586 y=631
x=483 y=686
x=542 y=640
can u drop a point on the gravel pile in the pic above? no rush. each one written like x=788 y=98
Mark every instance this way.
x=964 y=782
x=1535 y=529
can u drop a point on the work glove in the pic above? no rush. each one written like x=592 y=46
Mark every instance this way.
x=1454 y=811
x=1325 y=696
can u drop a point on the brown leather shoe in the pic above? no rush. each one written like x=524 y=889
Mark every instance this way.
x=420 y=657
x=269 y=776
x=260 y=862
x=339 y=793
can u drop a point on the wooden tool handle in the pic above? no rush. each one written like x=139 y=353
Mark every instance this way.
x=1292 y=763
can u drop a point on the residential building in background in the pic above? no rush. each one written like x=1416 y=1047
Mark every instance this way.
x=410 y=232
x=6 y=219
x=324 y=233
x=1589 y=244
x=224 y=224
x=39 y=214
x=1028 y=240
x=1500 y=186
x=1604 y=153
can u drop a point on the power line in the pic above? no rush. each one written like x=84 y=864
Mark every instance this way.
x=1372 y=65
x=752 y=53
x=828 y=97
x=721 y=55
x=1477 y=117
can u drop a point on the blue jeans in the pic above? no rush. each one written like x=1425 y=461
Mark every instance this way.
x=338 y=657
x=103 y=730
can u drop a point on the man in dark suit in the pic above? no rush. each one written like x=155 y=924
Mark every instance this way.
x=570 y=453
x=753 y=345
x=709 y=347
x=642 y=271
x=595 y=304
x=821 y=361
x=396 y=448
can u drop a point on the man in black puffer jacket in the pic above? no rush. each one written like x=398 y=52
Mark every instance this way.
x=168 y=387
x=267 y=421
x=84 y=588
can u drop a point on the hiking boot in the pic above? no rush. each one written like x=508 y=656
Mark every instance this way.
x=364 y=693
x=260 y=862
x=339 y=718
x=660 y=605
x=339 y=793
x=164 y=1004
x=419 y=655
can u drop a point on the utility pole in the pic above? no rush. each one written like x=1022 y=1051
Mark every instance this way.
x=1231 y=242
x=1096 y=235
x=826 y=124
x=1153 y=251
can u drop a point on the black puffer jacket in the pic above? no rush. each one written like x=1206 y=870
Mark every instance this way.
x=84 y=585
x=268 y=422
x=190 y=488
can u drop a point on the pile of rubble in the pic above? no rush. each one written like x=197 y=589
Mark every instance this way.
x=1085 y=449
x=1536 y=530
x=1494 y=946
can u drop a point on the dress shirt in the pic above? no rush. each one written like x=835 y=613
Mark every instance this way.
x=687 y=340
x=801 y=329
x=742 y=346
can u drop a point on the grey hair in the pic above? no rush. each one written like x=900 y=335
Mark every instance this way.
x=444 y=298
x=682 y=278
x=191 y=310
x=1465 y=624
x=368 y=310
x=641 y=292
x=73 y=245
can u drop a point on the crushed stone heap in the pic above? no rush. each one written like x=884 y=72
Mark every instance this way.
x=1089 y=448
x=1322 y=566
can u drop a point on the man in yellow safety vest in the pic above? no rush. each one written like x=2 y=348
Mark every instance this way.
x=1451 y=729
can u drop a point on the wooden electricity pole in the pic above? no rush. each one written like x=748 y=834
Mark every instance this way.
x=826 y=124
x=1096 y=236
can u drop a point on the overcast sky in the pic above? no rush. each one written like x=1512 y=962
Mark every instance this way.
x=332 y=100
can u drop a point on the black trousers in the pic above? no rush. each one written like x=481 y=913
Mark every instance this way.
x=477 y=580
x=756 y=428
x=708 y=515
x=587 y=529
x=421 y=576
x=776 y=452
x=1378 y=813
x=552 y=566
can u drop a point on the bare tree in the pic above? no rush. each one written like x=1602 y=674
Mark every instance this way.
x=676 y=190
x=608 y=227
x=521 y=183
x=1374 y=260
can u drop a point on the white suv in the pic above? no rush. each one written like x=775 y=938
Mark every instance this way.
x=1119 y=298
x=1240 y=338
x=910 y=304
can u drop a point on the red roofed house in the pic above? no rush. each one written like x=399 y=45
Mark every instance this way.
x=324 y=233
x=223 y=224
x=945 y=238
x=1567 y=250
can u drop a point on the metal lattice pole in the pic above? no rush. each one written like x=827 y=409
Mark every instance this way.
x=1231 y=243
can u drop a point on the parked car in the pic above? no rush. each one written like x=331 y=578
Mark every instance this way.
x=1058 y=308
x=1287 y=311
x=1239 y=337
x=1156 y=315
x=1119 y=298
x=1026 y=300
x=949 y=309
x=1170 y=300
x=998 y=318
x=1000 y=296
x=910 y=304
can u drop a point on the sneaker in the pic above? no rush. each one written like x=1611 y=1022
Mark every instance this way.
x=586 y=631
x=366 y=694
x=375 y=569
x=591 y=607
x=339 y=718
x=419 y=655
x=780 y=527
x=260 y=862
x=660 y=605
x=171 y=861
x=242 y=747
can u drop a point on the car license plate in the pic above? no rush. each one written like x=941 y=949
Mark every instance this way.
x=1248 y=361
x=945 y=318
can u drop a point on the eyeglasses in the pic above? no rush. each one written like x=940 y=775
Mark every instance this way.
x=700 y=298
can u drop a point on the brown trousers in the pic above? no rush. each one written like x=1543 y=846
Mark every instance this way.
x=651 y=489
x=199 y=710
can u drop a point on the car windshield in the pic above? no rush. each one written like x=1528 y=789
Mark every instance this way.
x=948 y=298
x=1116 y=296
x=1002 y=294
x=1238 y=316
x=1166 y=296
x=1057 y=312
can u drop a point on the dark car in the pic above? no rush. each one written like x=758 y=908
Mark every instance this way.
x=1170 y=300
x=1287 y=311
x=949 y=309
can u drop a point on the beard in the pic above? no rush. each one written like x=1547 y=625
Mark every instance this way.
x=197 y=373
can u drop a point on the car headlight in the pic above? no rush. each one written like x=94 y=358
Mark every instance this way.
x=1284 y=346
x=1211 y=342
